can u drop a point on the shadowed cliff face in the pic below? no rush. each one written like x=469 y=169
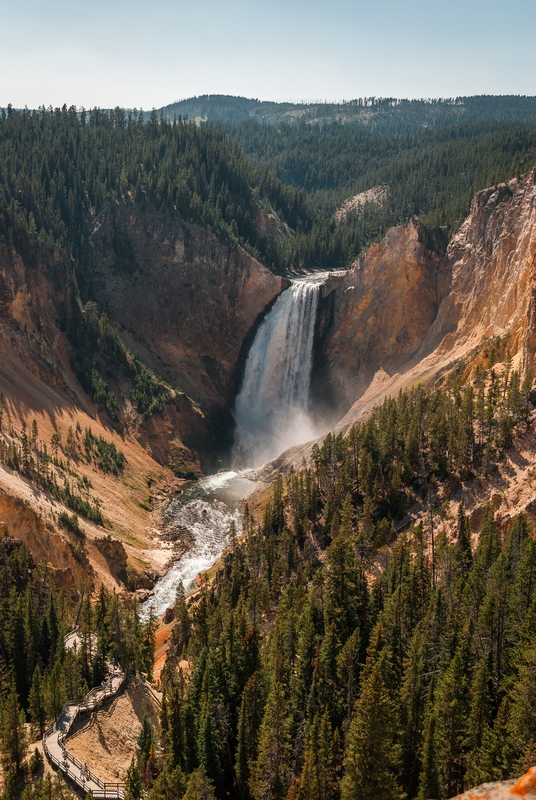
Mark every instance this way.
x=184 y=301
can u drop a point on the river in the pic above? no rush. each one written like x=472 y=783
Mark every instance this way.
x=207 y=508
x=272 y=413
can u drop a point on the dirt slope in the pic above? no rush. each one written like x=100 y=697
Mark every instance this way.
x=106 y=741
x=190 y=305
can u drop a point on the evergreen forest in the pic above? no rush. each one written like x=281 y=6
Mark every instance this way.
x=38 y=675
x=432 y=173
x=346 y=648
x=387 y=115
x=343 y=652
x=60 y=167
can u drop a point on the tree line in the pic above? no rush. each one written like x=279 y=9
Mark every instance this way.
x=430 y=172
x=58 y=167
x=338 y=656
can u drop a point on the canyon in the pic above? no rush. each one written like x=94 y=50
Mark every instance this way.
x=411 y=309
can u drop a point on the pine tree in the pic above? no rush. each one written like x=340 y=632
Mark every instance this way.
x=463 y=539
x=13 y=739
x=317 y=778
x=249 y=725
x=429 y=777
x=452 y=710
x=372 y=754
x=133 y=783
x=199 y=787
x=209 y=745
x=412 y=696
x=270 y=776
x=36 y=702
x=169 y=785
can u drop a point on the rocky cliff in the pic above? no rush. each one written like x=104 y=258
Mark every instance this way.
x=186 y=302
x=504 y=790
x=376 y=316
x=189 y=305
x=403 y=314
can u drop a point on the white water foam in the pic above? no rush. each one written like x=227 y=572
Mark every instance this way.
x=207 y=509
x=272 y=407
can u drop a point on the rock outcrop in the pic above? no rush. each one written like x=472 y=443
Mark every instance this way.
x=186 y=302
x=504 y=790
x=402 y=314
x=376 y=316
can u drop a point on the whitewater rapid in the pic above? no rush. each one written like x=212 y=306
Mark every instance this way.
x=272 y=413
x=207 y=509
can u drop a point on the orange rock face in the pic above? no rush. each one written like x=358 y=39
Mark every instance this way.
x=377 y=315
x=504 y=790
x=403 y=314
x=526 y=785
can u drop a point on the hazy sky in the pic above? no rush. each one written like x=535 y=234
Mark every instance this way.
x=147 y=54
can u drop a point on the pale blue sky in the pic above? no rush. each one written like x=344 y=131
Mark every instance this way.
x=148 y=54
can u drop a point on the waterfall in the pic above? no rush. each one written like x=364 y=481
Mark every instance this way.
x=272 y=406
x=272 y=414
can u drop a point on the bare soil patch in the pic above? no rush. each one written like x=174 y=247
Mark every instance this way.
x=106 y=740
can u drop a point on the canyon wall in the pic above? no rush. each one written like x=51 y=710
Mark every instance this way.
x=376 y=316
x=403 y=314
x=185 y=301
x=190 y=306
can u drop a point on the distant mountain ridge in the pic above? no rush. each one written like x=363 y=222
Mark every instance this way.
x=387 y=114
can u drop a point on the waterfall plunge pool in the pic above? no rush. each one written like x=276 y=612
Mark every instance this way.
x=207 y=508
x=272 y=414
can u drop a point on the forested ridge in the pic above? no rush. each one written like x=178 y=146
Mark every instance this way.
x=431 y=173
x=303 y=671
x=59 y=167
x=387 y=115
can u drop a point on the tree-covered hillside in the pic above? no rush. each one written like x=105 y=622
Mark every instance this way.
x=38 y=674
x=387 y=115
x=59 y=167
x=338 y=654
x=337 y=657
x=432 y=173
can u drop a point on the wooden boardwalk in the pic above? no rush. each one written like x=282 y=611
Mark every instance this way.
x=54 y=738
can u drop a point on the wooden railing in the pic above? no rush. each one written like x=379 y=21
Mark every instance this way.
x=72 y=710
x=106 y=789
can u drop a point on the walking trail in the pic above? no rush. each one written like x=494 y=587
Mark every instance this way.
x=54 y=738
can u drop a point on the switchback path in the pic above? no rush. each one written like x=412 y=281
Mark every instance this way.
x=54 y=738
